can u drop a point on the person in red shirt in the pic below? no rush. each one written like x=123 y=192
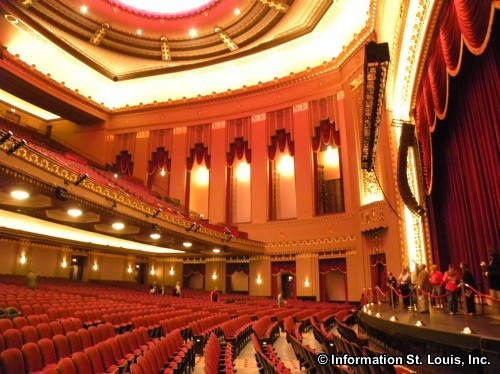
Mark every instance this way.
x=436 y=279
x=451 y=279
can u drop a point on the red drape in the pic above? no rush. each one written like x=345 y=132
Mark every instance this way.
x=325 y=134
x=465 y=196
x=160 y=159
x=469 y=21
x=124 y=164
x=232 y=268
x=278 y=268
x=190 y=269
x=237 y=150
x=378 y=271
x=198 y=153
x=280 y=141
x=327 y=265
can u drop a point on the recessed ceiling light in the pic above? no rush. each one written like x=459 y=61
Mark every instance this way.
x=115 y=175
x=237 y=12
x=75 y=212
x=139 y=32
x=84 y=9
x=12 y=19
x=187 y=244
x=193 y=33
x=216 y=250
x=155 y=235
x=118 y=226
x=19 y=194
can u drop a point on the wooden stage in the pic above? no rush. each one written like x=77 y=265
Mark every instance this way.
x=440 y=336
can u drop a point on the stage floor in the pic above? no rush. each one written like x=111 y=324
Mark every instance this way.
x=487 y=326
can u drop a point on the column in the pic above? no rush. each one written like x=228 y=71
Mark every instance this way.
x=307 y=277
x=141 y=156
x=178 y=172
x=260 y=276
x=304 y=178
x=217 y=187
x=259 y=169
x=215 y=274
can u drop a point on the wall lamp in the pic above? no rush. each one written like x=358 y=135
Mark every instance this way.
x=81 y=179
x=5 y=137
x=20 y=144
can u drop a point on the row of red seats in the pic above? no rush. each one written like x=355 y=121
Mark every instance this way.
x=218 y=359
x=266 y=329
x=202 y=328
x=267 y=360
x=237 y=332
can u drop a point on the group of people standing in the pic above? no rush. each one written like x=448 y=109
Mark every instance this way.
x=443 y=286
x=154 y=290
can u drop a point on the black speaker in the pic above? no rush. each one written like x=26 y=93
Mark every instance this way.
x=407 y=140
x=61 y=194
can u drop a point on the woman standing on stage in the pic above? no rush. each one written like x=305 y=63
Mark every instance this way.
x=451 y=280
x=468 y=278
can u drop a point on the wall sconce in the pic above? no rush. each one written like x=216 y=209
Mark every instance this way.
x=306 y=283
x=171 y=272
x=95 y=267
x=259 y=279
x=64 y=264
x=23 y=260
x=153 y=271
x=129 y=269
x=214 y=276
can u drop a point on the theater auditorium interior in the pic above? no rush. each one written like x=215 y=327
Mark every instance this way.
x=154 y=154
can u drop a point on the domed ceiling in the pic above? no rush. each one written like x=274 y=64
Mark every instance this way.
x=132 y=51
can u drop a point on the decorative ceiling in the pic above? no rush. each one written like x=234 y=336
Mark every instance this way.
x=123 y=55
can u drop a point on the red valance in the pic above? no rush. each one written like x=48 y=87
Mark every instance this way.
x=332 y=264
x=238 y=149
x=283 y=267
x=124 y=164
x=232 y=268
x=280 y=141
x=190 y=269
x=325 y=134
x=198 y=153
x=159 y=160
x=461 y=22
x=377 y=259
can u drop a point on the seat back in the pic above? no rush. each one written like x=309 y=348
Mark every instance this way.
x=11 y=361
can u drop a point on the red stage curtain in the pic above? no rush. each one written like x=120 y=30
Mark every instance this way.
x=232 y=268
x=470 y=21
x=190 y=269
x=278 y=268
x=465 y=198
x=327 y=265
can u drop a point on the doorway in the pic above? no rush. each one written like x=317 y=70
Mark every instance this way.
x=288 y=286
x=77 y=264
x=140 y=273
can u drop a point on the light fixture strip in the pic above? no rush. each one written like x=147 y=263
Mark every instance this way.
x=231 y=45
x=99 y=34
x=276 y=4
x=165 y=51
